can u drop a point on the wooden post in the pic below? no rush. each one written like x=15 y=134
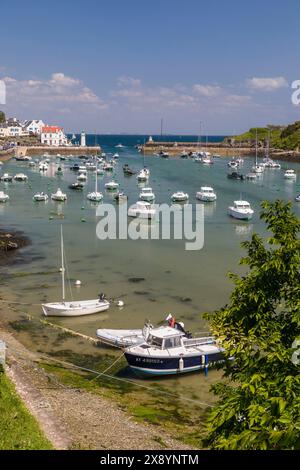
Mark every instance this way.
x=2 y=355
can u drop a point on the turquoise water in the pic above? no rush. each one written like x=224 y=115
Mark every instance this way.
x=174 y=280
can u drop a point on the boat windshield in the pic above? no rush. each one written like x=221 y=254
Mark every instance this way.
x=174 y=342
x=154 y=341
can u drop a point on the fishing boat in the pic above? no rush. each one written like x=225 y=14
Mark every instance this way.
x=179 y=196
x=142 y=210
x=40 y=197
x=20 y=177
x=167 y=351
x=241 y=210
x=147 y=194
x=7 y=178
x=59 y=196
x=206 y=194
x=73 y=308
x=290 y=175
x=3 y=197
x=111 y=186
x=95 y=196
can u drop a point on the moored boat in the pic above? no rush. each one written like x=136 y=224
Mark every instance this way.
x=206 y=194
x=142 y=210
x=3 y=196
x=241 y=210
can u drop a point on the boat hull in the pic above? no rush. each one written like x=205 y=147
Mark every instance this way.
x=74 y=309
x=154 y=366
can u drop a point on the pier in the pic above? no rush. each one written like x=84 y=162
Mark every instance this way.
x=74 y=150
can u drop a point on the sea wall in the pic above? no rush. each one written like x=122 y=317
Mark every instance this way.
x=44 y=149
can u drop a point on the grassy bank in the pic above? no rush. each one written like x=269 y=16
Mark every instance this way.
x=18 y=429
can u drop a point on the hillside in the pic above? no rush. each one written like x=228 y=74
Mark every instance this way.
x=281 y=137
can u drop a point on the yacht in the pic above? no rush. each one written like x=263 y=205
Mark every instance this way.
x=142 y=210
x=179 y=196
x=290 y=175
x=112 y=185
x=20 y=177
x=40 y=197
x=147 y=194
x=206 y=194
x=167 y=351
x=77 y=307
x=241 y=210
x=59 y=196
x=3 y=197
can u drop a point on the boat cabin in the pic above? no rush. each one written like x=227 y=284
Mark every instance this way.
x=241 y=205
x=165 y=338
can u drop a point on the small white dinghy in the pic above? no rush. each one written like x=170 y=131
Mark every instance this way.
x=73 y=308
x=3 y=197
x=290 y=175
x=7 y=178
x=40 y=197
x=82 y=177
x=59 y=196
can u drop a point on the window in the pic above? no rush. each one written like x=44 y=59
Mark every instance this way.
x=154 y=341
x=172 y=342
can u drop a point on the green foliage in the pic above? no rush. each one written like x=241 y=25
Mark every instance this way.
x=2 y=116
x=260 y=406
x=285 y=138
x=18 y=429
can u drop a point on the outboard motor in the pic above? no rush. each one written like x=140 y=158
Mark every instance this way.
x=102 y=297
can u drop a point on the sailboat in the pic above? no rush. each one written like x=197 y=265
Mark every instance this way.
x=258 y=169
x=95 y=196
x=73 y=308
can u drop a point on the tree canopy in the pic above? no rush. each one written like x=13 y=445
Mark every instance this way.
x=259 y=400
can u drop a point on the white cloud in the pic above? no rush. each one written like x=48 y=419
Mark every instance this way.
x=128 y=81
x=207 y=90
x=266 y=84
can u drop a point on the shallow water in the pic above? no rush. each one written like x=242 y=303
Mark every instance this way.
x=173 y=280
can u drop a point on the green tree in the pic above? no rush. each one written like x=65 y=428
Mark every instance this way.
x=2 y=116
x=259 y=400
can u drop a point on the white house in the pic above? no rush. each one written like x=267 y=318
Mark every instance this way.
x=53 y=135
x=34 y=126
x=11 y=128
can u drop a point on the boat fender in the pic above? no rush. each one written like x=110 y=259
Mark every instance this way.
x=181 y=364
x=120 y=303
x=78 y=283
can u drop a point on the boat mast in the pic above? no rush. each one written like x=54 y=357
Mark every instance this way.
x=256 y=149
x=62 y=264
x=96 y=182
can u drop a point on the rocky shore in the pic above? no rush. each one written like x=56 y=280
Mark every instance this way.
x=10 y=242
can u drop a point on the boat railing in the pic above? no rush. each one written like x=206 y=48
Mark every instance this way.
x=198 y=341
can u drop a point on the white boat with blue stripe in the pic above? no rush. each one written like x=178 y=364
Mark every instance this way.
x=167 y=351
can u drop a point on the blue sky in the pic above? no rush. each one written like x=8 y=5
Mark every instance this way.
x=120 y=66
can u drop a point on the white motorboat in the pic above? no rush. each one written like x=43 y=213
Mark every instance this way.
x=233 y=164
x=142 y=210
x=120 y=146
x=81 y=177
x=115 y=156
x=59 y=196
x=297 y=198
x=43 y=166
x=179 y=196
x=82 y=169
x=143 y=175
x=20 y=177
x=112 y=185
x=241 y=210
x=147 y=194
x=73 y=308
x=7 y=178
x=207 y=160
x=290 y=175
x=167 y=351
x=40 y=197
x=206 y=194
x=3 y=197
x=95 y=196
x=120 y=197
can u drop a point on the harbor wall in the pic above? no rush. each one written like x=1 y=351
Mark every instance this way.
x=53 y=151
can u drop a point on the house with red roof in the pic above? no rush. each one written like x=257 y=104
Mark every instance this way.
x=53 y=136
